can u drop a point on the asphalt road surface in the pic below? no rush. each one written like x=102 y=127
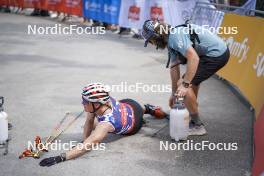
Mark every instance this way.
x=41 y=77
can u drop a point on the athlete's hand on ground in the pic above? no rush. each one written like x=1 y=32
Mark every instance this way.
x=51 y=161
x=171 y=100
x=181 y=91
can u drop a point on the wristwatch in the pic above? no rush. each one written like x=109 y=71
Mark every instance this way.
x=185 y=84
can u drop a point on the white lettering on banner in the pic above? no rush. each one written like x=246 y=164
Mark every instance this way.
x=259 y=65
x=93 y=6
x=30 y=1
x=238 y=49
x=53 y=2
x=110 y=9
x=72 y=3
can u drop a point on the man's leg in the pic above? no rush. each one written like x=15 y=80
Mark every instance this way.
x=196 y=90
x=190 y=101
x=192 y=106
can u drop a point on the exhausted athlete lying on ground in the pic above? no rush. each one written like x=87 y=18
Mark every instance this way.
x=119 y=117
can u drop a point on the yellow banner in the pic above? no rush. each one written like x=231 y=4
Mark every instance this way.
x=245 y=68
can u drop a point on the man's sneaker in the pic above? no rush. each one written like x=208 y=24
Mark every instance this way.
x=155 y=111
x=197 y=130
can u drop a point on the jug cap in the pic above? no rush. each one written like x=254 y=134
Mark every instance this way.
x=179 y=103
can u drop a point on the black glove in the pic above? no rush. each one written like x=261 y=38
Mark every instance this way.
x=52 y=160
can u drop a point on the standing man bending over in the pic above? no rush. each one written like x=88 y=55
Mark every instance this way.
x=203 y=53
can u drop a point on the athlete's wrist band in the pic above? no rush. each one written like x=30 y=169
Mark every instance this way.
x=63 y=156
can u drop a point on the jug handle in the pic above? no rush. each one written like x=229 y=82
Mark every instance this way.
x=177 y=98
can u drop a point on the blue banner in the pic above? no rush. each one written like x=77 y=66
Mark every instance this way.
x=102 y=10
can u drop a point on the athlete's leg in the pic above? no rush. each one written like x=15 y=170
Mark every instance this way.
x=138 y=114
x=153 y=110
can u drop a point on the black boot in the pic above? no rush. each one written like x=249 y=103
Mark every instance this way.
x=36 y=12
x=44 y=13
x=7 y=10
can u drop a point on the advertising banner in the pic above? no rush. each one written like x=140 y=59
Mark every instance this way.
x=72 y=7
x=54 y=5
x=32 y=4
x=15 y=3
x=133 y=13
x=245 y=68
x=102 y=10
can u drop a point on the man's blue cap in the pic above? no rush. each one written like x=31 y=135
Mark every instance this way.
x=148 y=31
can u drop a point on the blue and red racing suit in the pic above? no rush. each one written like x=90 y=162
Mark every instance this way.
x=122 y=117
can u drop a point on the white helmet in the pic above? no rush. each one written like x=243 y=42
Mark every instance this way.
x=95 y=93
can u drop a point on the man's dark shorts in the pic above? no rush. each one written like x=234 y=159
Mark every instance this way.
x=208 y=66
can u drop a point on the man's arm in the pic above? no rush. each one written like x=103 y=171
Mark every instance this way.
x=192 y=64
x=175 y=76
x=88 y=126
x=96 y=137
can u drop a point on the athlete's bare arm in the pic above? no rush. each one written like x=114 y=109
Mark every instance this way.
x=88 y=126
x=96 y=137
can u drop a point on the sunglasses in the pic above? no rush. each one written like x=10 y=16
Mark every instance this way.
x=85 y=102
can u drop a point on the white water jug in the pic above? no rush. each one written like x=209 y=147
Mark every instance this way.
x=3 y=123
x=179 y=121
